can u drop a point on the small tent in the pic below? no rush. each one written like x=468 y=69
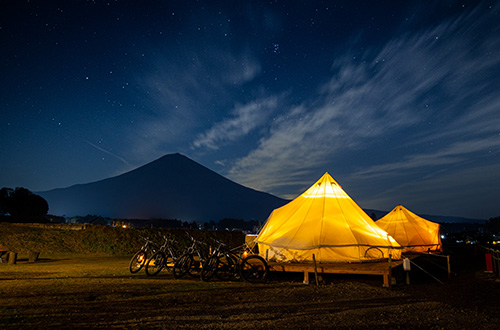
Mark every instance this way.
x=326 y=222
x=413 y=233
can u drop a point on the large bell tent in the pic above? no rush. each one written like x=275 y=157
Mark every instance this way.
x=326 y=222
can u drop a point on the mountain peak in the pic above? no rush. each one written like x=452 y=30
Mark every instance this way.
x=171 y=187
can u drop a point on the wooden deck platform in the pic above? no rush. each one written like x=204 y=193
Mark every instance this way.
x=383 y=268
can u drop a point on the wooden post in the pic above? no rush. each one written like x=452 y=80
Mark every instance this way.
x=306 y=277
x=315 y=270
x=497 y=262
x=386 y=280
x=33 y=256
x=407 y=269
x=390 y=272
x=449 y=266
x=12 y=258
x=494 y=262
x=494 y=258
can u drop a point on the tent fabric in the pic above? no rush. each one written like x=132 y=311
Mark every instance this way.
x=326 y=222
x=413 y=233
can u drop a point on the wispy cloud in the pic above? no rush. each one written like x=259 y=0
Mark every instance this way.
x=183 y=89
x=432 y=86
x=453 y=154
x=244 y=119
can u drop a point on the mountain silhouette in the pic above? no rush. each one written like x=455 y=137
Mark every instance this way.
x=171 y=187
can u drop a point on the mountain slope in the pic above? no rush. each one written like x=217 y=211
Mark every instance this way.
x=173 y=187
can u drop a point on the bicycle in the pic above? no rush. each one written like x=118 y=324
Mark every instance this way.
x=140 y=257
x=240 y=262
x=190 y=262
x=219 y=263
x=164 y=258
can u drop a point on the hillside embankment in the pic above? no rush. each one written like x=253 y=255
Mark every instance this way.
x=86 y=238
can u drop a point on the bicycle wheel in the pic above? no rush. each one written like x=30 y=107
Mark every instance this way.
x=182 y=265
x=195 y=267
x=169 y=263
x=155 y=264
x=226 y=267
x=209 y=268
x=138 y=261
x=254 y=269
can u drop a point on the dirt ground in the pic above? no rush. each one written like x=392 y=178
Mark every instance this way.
x=83 y=291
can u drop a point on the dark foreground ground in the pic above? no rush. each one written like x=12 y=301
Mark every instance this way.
x=84 y=291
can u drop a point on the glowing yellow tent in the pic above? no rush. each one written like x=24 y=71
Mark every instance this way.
x=413 y=233
x=326 y=222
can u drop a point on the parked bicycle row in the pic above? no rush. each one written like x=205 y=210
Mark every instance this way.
x=210 y=260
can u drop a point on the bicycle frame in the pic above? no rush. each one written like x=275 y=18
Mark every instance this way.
x=191 y=261
x=228 y=264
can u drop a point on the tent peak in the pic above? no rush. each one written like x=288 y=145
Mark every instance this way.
x=326 y=178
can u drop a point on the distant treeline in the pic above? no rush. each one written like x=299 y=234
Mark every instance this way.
x=491 y=226
x=250 y=226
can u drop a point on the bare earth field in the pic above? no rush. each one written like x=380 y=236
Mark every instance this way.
x=83 y=291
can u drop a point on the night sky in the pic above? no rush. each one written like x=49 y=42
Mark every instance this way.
x=398 y=100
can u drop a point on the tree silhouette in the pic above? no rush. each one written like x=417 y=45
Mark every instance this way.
x=22 y=203
x=4 y=199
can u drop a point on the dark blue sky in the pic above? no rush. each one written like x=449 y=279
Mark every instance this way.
x=398 y=100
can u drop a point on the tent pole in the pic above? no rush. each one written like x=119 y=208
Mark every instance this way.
x=390 y=272
x=315 y=270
